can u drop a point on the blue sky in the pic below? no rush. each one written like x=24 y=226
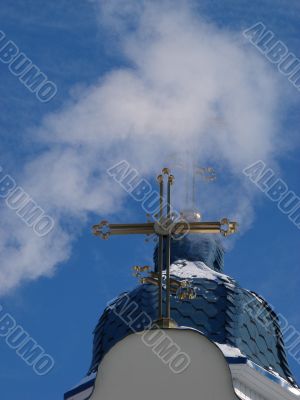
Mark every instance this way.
x=59 y=290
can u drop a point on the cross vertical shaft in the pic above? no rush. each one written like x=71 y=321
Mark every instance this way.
x=164 y=249
x=168 y=251
x=160 y=249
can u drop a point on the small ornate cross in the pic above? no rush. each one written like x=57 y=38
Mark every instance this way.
x=164 y=227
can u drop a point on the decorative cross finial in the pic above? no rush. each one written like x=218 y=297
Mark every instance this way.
x=165 y=227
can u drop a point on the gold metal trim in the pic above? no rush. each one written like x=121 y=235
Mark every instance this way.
x=165 y=323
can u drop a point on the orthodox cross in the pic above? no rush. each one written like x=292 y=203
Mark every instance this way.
x=165 y=227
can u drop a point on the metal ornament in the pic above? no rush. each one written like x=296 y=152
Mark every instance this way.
x=164 y=228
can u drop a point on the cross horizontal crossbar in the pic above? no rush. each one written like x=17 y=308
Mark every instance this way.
x=104 y=229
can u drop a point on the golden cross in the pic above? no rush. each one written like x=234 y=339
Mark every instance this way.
x=164 y=227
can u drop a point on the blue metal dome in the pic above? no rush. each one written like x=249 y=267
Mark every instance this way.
x=222 y=310
x=207 y=249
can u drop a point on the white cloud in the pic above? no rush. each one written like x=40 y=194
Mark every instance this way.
x=189 y=86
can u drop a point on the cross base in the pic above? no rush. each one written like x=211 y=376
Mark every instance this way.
x=165 y=323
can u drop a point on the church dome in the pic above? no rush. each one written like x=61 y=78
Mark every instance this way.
x=208 y=250
x=222 y=310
